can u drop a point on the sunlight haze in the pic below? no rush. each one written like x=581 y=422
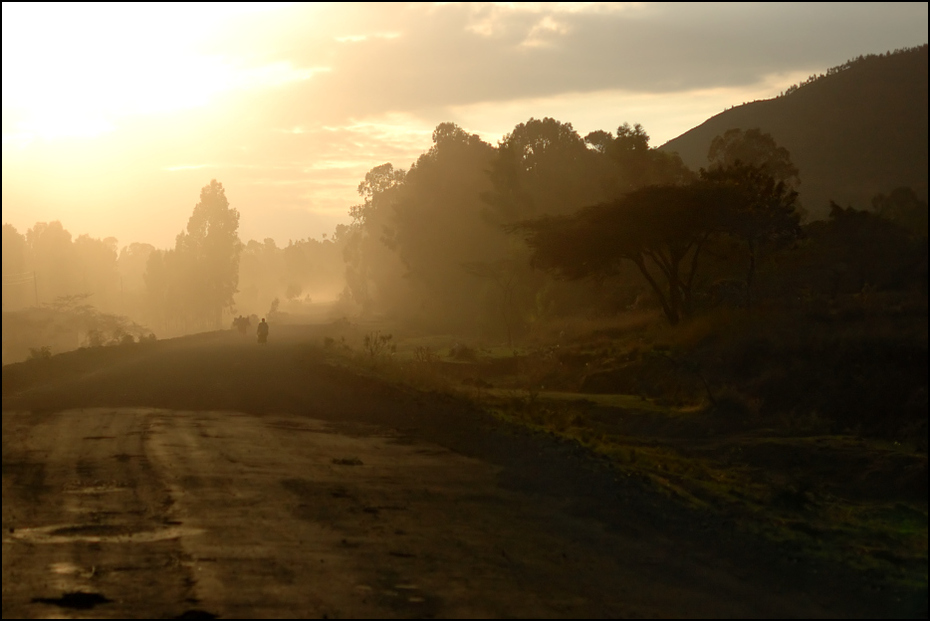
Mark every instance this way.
x=114 y=116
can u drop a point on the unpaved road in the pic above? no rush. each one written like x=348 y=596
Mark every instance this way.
x=205 y=477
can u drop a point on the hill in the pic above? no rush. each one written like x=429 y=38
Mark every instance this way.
x=859 y=130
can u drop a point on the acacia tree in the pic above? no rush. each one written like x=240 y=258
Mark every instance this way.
x=660 y=229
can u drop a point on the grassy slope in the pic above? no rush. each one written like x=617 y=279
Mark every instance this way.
x=824 y=482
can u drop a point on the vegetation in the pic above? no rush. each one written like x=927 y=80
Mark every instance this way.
x=806 y=426
x=858 y=131
x=194 y=283
x=850 y=64
x=686 y=325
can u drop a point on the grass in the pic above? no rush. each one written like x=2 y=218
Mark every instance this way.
x=699 y=426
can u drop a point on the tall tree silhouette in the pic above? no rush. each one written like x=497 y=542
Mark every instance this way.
x=373 y=270
x=212 y=238
x=191 y=285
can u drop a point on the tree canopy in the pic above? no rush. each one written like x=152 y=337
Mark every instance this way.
x=195 y=282
x=660 y=229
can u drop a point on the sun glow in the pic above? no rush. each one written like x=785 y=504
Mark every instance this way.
x=75 y=70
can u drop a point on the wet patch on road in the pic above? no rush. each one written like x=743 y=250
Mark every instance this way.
x=76 y=600
x=97 y=533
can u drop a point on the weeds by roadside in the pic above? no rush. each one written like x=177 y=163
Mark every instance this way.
x=703 y=413
x=40 y=353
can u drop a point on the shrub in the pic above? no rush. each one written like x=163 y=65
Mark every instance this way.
x=377 y=344
x=96 y=338
x=425 y=355
x=463 y=353
x=42 y=353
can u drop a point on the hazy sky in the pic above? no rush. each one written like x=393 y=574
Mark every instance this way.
x=114 y=116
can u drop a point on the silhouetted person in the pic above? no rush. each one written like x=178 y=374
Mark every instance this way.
x=242 y=324
x=263 y=332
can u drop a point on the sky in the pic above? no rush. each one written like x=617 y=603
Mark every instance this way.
x=116 y=115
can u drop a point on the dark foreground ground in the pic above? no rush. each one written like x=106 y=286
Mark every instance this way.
x=208 y=476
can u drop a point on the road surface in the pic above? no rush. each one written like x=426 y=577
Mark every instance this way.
x=203 y=477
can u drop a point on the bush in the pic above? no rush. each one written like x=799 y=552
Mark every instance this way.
x=42 y=353
x=425 y=355
x=463 y=353
x=377 y=344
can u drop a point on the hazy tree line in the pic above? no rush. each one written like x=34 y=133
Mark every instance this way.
x=84 y=284
x=46 y=263
x=431 y=244
x=493 y=239
x=548 y=223
x=849 y=64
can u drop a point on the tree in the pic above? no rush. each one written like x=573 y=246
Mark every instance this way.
x=439 y=224
x=753 y=147
x=156 y=287
x=760 y=210
x=53 y=260
x=212 y=238
x=191 y=285
x=858 y=249
x=903 y=207
x=372 y=270
x=18 y=284
x=542 y=167
x=765 y=211
x=377 y=181
x=505 y=275
x=660 y=229
x=97 y=270
x=633 y=164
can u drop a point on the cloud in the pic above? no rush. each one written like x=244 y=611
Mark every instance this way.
x=298 y=102
x=453 y=55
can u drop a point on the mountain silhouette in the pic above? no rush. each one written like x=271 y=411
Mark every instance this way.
x=859 y=130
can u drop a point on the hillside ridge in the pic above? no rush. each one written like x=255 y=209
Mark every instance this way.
x=854 y=132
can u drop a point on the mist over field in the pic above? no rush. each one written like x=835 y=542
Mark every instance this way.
x=640 y=266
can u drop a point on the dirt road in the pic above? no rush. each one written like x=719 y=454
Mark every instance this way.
x=202 y=477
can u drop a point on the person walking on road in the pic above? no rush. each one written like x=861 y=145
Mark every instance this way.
x=262 y=332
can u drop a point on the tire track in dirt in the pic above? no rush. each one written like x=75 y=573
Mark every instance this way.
x=95 y=530
x=269 y=512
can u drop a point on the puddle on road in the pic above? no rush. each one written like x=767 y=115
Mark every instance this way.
x=97 y=487
x=75 y=600
x=97 y=533
x=70 y=569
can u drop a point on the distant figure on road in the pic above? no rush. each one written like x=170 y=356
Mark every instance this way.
x=242 y=324
x=262 y=332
